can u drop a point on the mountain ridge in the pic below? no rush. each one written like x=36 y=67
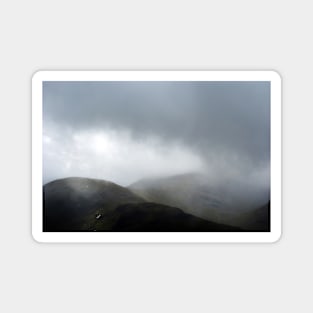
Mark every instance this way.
x=196 y=195
x=86 y=204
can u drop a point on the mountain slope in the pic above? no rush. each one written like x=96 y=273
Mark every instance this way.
x=197 y=196
x=255 y=220
x=70 y=204
x=177 y=189
x=190 y=192
x=151 y=217
x=81 y=204
x=178 y=203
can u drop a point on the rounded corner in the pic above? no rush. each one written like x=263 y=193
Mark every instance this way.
x=37 y=76
x=35 y=237
x=277 y=237
x=275 y=75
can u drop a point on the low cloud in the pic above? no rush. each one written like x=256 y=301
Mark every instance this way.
x=115 y=156
x=124 y=131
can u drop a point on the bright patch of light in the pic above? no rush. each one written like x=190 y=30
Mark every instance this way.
x=118 y=157
x=46 y=139
x=102 y=144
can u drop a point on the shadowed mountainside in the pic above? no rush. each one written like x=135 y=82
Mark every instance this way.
x=195 y=195
x=156 y=217
x=258 y=219
x=190 y=192
x=72 y=203
x=82 y=204
x=172 y=204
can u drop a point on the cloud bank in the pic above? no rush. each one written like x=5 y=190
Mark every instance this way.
x=124 y=131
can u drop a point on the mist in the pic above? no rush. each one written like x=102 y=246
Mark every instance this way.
x=126 y=131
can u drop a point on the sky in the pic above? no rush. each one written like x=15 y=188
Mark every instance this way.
x=126 y=131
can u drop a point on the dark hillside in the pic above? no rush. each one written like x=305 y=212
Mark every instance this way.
x=153 y=217
x=70 y=203
x=170 y=205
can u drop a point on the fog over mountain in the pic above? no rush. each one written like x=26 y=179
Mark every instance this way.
x=127 y=131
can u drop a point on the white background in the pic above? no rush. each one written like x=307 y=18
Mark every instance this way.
x=155 y=35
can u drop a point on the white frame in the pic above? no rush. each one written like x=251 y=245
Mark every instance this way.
x=174 y=237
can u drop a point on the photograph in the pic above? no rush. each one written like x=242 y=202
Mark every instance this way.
x=181 y=156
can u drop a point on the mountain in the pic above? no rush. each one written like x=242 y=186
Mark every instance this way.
x=156 y=217
x=255 y=220
x=196 y=195
x=82 y=204
x=72 y=203
x=190 y=192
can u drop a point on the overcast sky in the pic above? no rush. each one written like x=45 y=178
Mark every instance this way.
x=125 y=131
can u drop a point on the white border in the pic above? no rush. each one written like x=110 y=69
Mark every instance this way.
x=187 y=237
